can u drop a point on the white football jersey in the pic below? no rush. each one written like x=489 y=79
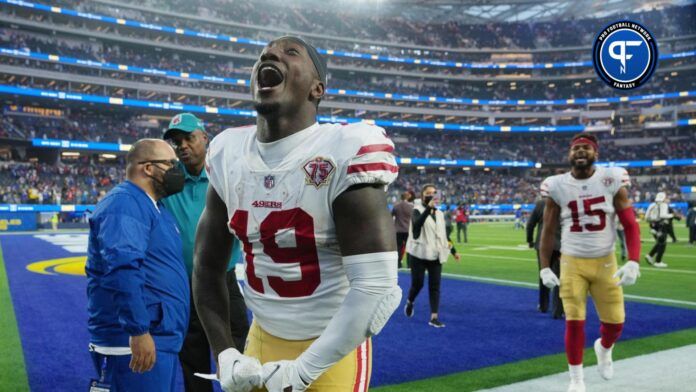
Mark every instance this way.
x=295 y=281
x=588 y=228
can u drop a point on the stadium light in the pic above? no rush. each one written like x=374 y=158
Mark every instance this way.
x=466 y=168
x=537 y=165
x=70 y=154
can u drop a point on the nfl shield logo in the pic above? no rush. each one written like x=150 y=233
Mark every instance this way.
x=269 y=181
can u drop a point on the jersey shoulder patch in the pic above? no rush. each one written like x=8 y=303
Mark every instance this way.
x=614 y=178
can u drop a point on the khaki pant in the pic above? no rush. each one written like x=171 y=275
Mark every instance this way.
x=350 y=374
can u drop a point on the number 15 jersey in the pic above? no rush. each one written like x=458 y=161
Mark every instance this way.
x=295 y=281
x=588 y=226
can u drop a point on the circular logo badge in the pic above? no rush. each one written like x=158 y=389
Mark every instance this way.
x=625 y=55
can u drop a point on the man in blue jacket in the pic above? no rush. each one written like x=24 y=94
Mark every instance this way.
x=137 y=286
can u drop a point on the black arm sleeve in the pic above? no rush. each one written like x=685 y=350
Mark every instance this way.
x=418 y=221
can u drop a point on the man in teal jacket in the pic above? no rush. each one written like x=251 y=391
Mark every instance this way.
x=187 y=135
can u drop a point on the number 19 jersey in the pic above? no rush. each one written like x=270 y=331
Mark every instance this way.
x=295 y=281
x=588 y=227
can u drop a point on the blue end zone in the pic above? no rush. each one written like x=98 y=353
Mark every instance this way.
x=490 y=325
x=487 y=325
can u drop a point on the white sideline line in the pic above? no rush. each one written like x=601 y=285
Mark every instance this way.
x=644 y=268
x=535 y=285
x=668 y=370
x=483 y=279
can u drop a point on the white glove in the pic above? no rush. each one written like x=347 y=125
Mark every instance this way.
x=238 y=372
x=628 y=273
x=548 y=278
x=282 y=376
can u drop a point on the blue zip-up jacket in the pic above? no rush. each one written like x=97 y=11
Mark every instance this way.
x=136 y=278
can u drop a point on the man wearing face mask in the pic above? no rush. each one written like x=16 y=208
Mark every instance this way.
x=429 y=247
x=187 y=134
x=137 y=288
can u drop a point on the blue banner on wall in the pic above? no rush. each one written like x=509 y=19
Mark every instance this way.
x=17 y=221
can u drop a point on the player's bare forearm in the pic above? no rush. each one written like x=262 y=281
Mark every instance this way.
x=211 y=257
x=363 y=223
x=621 y=200
x=548 y=233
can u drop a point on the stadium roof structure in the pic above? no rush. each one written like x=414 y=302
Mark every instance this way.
x=487 y=11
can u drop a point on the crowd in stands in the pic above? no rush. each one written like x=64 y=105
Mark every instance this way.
x=503 y=186
x=107 y=127
x=85 y=182
x=225 y=48
x=375 y=26
x=123 y=127
x=487 y=88
x=546 y=148
x=42 y=183
x=125 y=54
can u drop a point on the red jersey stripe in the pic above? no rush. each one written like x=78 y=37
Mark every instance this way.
x=358 y=373
x=375 y=148
x=367 y=167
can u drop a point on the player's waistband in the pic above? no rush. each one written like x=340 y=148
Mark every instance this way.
x=611 y=257
x=271 y=340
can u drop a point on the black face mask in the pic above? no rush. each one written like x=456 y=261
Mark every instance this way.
x=172 y=181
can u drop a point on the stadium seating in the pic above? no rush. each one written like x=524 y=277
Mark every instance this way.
x=75 y=47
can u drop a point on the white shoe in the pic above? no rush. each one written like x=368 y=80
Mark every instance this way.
x=576 y=386
x=605 y=366
x=650 y=260
x=577 y=383
x=661 y=264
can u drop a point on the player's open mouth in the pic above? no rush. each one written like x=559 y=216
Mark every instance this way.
x=269 y=76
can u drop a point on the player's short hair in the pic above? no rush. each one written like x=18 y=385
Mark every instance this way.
x=406 y=195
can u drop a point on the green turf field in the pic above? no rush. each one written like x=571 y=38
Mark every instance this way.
x=496 y=251
x=13 y=376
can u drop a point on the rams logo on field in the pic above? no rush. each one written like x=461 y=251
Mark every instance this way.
x=625 y=55
x=318 y=171
x=64 y=266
